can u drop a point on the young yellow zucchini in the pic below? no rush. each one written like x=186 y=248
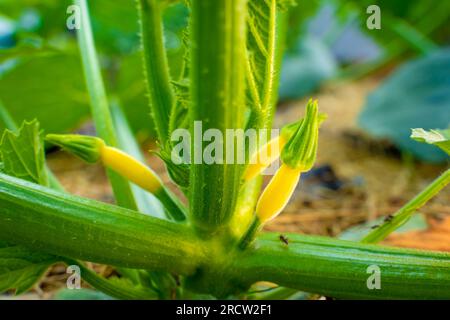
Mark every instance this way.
x=93 y=150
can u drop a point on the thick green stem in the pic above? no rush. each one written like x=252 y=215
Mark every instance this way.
x=217 y=101
x=403 y=215
x=78 y=228
x=156 y=66
x=341 y=269
x=99 y=103
x=64 y=225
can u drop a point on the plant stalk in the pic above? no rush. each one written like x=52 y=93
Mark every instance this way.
x=65 y=225
x=111 y=288
x=340 y=269
x=217 y=100
x=405 y=213
x=156 y=67
x=69 y=226
x=99 y=103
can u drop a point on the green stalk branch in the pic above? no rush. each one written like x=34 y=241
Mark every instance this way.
x=217 y=100
x=405 y=213
x=339 y=269
x=99 y=103
x=64 y=225
x=160 y=90
x=110 y=287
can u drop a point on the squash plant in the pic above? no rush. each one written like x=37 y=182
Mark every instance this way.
x=214 y=245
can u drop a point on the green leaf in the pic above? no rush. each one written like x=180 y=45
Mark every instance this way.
x=41 y=87
x=21 y=268
x=26 y=50
x=417 y=95
x=23 y=157
x=439 y=138
x=265 y=44
x=23 y=153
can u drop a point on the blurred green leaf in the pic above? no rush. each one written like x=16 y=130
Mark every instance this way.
x=115 y=25
x=130 y=88
x=47 y=18
x=416 y=95
x=439 y=138
x=48 y=88
x=25 y=49
x=42 y=77
x=305 y=68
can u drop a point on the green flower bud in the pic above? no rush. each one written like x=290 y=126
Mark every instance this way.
x=291 y=128
x=301 y=149
x=85 y=147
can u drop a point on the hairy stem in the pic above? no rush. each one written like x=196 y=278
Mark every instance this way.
x=218 y=101
x=156 y=66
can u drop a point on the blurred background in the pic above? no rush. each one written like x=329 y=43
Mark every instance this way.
x=375 y=86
